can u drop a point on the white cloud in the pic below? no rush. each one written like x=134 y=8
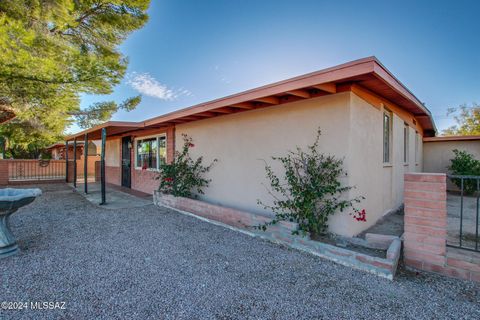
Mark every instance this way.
x=149 y=86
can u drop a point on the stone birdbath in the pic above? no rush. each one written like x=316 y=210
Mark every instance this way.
x=10 y=201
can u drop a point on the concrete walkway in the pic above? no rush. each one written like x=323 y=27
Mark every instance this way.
x=116 y=197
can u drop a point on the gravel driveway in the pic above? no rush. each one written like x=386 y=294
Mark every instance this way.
x=150 y=263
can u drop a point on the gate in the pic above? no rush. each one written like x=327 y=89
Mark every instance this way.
x=463 y=213
x=35 y=170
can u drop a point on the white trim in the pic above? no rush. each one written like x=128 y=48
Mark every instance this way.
x=389 y=114
x=417 y=147
x=135 y=143
x=406 y=144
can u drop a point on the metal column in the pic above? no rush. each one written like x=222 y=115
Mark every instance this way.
x=85 y=163
x=66 y=161
x=75 y=162
x=102 y=164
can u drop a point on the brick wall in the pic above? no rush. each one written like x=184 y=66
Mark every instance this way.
x=3 y=172
x=70 y=170
x=425 y=244
x=113 y=175
x=90 y=166
x=144 y=180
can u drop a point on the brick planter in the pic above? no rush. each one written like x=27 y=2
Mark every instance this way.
x=282 y=233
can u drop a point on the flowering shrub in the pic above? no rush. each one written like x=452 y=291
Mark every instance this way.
x=184 y=177
x=360 y=215
x=309 y=190
x=465 y=164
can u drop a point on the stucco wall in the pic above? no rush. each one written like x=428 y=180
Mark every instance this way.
x=381 y=184
x=352 y=129
x=438 y=154
x=242 y=142
x=112 y=153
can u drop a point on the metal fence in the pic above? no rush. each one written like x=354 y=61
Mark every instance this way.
x=36 y=170
x=463 y=213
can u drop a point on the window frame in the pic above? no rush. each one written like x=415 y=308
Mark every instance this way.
x=406 y=144
x=387 y=142
x=157 y=137
x=417 y=147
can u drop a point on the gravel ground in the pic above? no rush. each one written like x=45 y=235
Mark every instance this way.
x=150 y=263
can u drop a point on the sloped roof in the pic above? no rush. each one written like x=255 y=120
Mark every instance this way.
x=367 y=73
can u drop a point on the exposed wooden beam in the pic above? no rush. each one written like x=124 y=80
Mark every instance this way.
x=166 y=124
x=269 y=100
x=243 y=105
x=189 y=118
x=206 y=114
x=327 y=87
x=299 y=93
x=225 y=110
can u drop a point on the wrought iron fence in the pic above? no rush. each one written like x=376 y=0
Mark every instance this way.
x=36 y=170
x=463 y=212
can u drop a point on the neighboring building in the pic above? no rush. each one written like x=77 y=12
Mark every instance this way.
x=6 y=112
x=57 y=150
x=366 y=115
x=438 y=151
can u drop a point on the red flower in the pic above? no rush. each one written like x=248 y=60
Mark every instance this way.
x=168 y=179
x=360 y=216
x=191 y=145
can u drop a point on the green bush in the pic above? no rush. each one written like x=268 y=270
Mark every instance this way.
x=309 y=190
x=184 y=177
x=464 y=164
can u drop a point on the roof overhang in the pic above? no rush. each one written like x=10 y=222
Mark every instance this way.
x=452 y=138
x=6 y=113
x=62 y=145
x=367 y=73
x=112 y=127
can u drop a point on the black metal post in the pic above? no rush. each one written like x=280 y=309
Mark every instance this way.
x=461 y=210
x=478 y=205
x=66 y=161
x=102 y=164
x=75 y=163
x=85 y=163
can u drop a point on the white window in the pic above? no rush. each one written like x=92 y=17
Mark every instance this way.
x=150 y=152
x=416 y=147
x=387 y=136
x=405 y=143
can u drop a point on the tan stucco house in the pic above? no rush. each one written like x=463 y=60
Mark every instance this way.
x=366 y=115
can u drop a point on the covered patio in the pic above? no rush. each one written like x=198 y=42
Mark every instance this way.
x=118 y=197
x=96 y=192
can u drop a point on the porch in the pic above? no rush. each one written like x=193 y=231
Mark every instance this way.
x=118 y=197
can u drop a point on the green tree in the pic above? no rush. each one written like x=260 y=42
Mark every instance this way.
x=51 y=51
x=467 y=119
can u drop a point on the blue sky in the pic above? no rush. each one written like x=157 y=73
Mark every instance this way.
x=195 y=51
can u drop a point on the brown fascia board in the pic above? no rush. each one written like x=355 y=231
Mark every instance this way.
x=347 y=70
x=385 y=75
x=369 y=65
x=452 y=138
x=125 y=124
